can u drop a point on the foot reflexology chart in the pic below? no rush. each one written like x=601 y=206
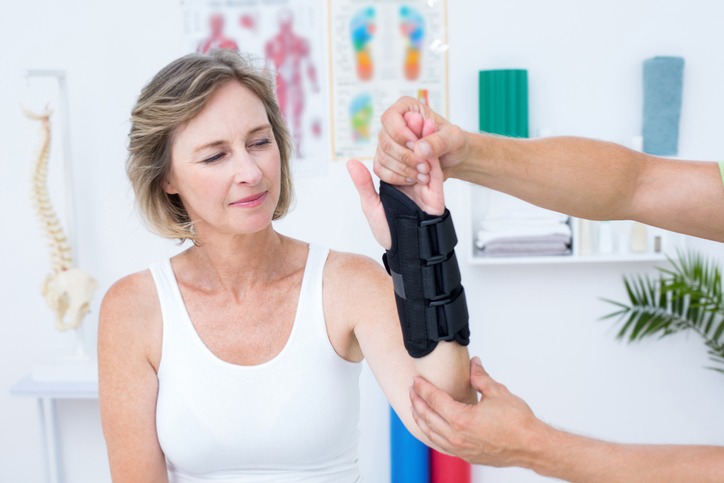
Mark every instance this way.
x=379 y=51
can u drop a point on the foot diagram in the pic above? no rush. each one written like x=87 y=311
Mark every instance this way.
x=360 y=115
x=412 y=26
x=362 y=29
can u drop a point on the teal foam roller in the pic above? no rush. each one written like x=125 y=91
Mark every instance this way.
x=503 y=102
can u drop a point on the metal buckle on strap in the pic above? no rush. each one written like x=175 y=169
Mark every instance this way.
x=440 y=279
x=437 y=238
x=448 y=315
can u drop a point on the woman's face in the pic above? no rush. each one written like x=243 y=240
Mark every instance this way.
x=225 y=164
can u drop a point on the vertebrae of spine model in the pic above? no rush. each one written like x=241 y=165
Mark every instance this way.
x=61 y=257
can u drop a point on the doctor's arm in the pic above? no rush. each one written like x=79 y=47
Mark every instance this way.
x=501 y=430
x=581 y=177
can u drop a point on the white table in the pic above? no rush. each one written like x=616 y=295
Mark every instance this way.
x=47 y=393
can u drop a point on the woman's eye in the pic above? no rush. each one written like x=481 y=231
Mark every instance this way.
x=260 y=143
x=213 y=158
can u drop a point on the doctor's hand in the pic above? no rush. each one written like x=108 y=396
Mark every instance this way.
x=429 y=197
x=497 y=431
x=402 y=154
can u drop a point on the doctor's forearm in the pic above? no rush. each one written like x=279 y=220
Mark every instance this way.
x=598 y=180
x=579 y=459
x=581 y=177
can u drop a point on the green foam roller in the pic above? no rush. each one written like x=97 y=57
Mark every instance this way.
x=504 y=102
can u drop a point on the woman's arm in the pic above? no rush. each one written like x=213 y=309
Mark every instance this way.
x=128 y=386
x=376 y=326
x=360 y=293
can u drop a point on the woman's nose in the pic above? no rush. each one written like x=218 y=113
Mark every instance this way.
x=246 y=171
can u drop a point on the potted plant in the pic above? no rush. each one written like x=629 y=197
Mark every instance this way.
x=687 y=296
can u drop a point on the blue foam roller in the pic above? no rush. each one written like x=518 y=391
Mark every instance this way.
x=663 y=82
x=410 y=459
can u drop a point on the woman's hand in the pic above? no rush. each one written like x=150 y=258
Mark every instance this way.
x=429 y=197
x=402 y=153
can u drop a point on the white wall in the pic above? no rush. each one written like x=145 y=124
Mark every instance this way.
x=535 y=327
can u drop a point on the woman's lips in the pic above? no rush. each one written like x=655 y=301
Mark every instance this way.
x=250 y=201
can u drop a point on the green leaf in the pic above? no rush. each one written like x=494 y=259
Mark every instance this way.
x=686 y=296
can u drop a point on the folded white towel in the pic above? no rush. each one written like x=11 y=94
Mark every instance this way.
x=536 y=252
x=527 y=246
x=505 y=207
x=522 y=232
x=505 y=224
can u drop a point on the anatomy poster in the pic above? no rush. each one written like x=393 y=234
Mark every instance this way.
x=289 y=35
x=381 y=50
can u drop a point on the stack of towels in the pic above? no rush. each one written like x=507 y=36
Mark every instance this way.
x=514 y=228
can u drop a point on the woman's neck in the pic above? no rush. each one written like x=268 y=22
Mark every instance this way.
x=237 y=262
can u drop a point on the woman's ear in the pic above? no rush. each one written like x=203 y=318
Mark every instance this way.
x=169 y=187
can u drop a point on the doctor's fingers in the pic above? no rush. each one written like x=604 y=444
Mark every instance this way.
x=392 y=171
x=436 y=429
x=398 y=165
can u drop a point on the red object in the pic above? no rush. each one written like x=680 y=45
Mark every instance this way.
x=448 y=469
x=217 y=39
x=248 y=22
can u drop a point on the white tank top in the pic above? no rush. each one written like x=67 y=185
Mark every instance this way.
x=291 y=419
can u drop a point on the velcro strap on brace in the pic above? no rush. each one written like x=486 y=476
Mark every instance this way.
x=430 y=298
x=440 y=279
x=437 y=237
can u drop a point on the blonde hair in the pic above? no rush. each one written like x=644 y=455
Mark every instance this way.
x=173 y=97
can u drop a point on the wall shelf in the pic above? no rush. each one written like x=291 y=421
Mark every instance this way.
x=477 y=202
x=567 y=259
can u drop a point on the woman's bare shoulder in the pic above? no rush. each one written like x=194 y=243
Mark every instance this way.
x=344 y=264
x=130 y=293
x=130 y=305
x=356 y=275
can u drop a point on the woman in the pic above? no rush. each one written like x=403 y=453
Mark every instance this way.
x=238 y=359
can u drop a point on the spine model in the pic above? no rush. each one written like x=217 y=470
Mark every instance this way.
x=61 y=258
x=67 y=290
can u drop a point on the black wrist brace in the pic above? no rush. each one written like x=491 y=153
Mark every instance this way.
x=430 y=298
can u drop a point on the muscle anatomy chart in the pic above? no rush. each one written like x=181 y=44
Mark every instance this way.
x=288 y=37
